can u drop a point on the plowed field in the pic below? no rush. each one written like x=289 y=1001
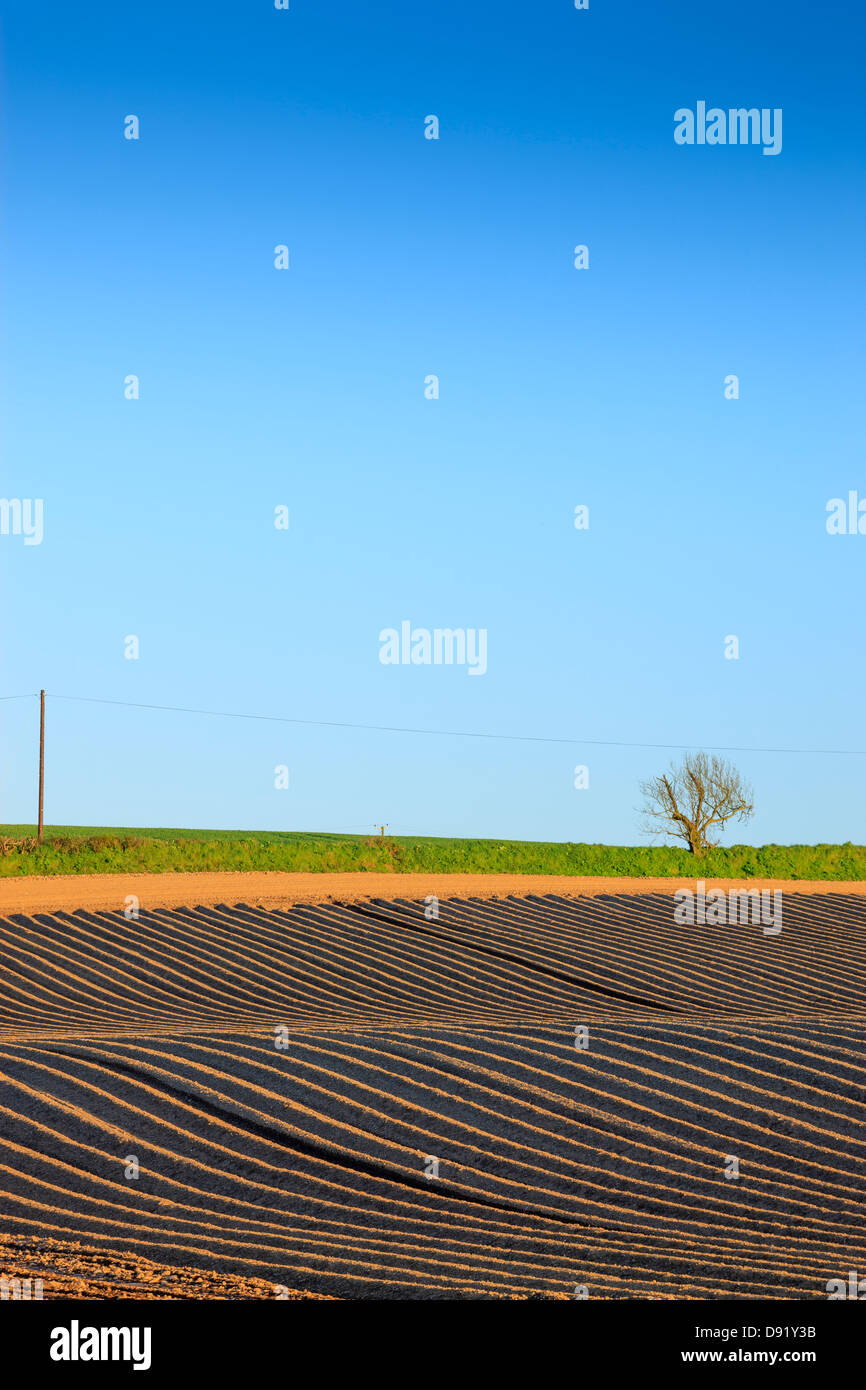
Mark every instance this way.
x=353 y=1101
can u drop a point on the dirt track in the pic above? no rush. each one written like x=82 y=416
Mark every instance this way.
x=108 y=892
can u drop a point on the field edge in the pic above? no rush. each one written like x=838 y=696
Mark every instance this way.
x=264 y=888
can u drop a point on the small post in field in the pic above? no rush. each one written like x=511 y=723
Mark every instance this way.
x=41 y=760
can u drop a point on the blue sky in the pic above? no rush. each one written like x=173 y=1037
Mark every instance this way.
x=558 y=387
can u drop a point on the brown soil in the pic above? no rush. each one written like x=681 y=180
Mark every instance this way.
x=302 y=1168
x=66 y=1269
x=108 y=892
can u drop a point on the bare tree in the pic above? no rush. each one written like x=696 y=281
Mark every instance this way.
x=691 y=798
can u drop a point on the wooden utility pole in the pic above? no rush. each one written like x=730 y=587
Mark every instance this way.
x=382 y=829
x=41 y=760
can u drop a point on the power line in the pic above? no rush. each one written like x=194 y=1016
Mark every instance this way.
x=450 y=733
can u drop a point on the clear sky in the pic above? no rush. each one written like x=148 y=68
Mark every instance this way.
x=411 y=257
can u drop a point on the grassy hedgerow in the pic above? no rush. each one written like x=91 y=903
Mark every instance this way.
x=89 y=850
